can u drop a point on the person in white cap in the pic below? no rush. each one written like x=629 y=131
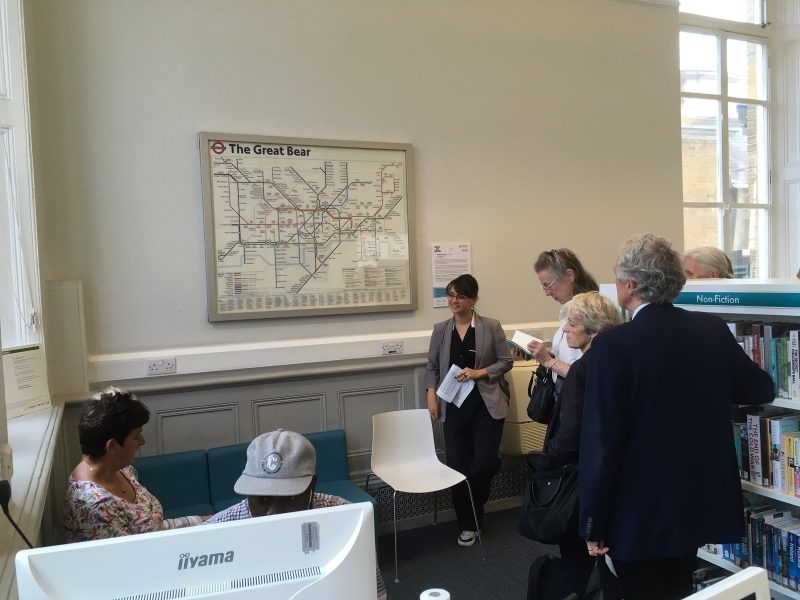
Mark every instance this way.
x=279 y=477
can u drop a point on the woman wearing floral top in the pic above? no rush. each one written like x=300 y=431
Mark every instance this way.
x=104 y=498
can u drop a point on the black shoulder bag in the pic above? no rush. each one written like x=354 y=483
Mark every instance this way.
x=550 y=503
x=542 y=393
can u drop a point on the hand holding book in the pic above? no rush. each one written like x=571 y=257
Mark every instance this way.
x=521 y=343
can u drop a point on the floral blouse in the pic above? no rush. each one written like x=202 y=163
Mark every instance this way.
x=93 y=513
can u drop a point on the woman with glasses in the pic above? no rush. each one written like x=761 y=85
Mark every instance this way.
x=477 y=346
x=562 y=276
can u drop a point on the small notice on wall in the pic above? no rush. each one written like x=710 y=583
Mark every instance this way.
x=25 y=384
x=448 y=262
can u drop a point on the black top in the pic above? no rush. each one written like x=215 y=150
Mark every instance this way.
x=563 y=438
x=462 y=353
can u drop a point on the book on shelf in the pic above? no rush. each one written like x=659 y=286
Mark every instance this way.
x=794 y=363
x=758 y=439
x=790 y=446
x=779 y=427
x=758 y=352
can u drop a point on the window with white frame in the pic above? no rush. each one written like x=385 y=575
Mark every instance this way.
x=725 y=131
x=20 y=312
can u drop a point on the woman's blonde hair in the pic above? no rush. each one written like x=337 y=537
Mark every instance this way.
x=595 y=312
x=712 y=259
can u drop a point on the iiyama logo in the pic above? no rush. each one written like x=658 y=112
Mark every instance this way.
x=187 y=561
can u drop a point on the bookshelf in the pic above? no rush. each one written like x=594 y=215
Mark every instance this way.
x=773 y=300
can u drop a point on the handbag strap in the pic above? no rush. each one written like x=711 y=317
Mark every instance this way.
x=545 y=376
x=555 y=493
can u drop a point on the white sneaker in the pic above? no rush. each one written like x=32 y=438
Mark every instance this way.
x=467 y=538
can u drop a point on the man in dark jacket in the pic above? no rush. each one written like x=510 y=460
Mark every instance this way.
x=658 y=472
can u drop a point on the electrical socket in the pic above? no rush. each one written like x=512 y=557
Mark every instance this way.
x=162 y=366
x=395 y=347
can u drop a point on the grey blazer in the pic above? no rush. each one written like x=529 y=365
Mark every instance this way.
x=491 y=353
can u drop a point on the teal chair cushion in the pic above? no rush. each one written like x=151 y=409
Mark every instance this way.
x=225 y=464
x=331 y=448
x=179 y=480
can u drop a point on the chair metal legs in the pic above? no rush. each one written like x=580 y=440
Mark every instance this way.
x=394 y=522
x=475 y=516
x=394 y=517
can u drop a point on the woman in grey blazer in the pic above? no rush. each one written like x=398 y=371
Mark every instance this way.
x=472 y=431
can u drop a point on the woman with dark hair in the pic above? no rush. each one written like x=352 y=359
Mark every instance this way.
x=562 y=275
x=472 y=431
x=104 y=498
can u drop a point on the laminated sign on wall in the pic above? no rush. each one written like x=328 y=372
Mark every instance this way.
x=25 y=383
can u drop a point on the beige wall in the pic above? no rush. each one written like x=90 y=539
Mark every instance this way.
x=536 y=125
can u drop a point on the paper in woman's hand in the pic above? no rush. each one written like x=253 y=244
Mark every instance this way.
x=452 y=390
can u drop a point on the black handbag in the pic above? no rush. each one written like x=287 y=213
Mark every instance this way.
x=542 y=393
x=550 y=504
x=603 y=584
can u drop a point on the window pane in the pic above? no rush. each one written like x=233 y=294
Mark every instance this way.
x=747 y=69
x=699 y=63
x=700 y=135
x=741 y=232
x=746 y=11
x=748 y=153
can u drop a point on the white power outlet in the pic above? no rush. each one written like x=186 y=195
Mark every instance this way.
x=162 y=366
x=395 y=347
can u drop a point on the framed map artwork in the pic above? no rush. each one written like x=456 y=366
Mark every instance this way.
x=299 y=227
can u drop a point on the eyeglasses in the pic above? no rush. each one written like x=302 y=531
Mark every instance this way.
x=458 y=297
x=546 y=288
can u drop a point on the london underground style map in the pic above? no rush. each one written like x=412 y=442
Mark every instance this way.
x=305 y=226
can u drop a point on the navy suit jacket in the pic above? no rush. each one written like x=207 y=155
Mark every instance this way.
x=658 y=472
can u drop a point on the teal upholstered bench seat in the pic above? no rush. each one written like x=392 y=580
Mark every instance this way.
x=201 y=482
x=179 y=480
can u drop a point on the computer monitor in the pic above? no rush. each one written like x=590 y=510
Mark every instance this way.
x=320 y=553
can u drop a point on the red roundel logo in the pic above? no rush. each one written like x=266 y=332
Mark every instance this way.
x=217 y=147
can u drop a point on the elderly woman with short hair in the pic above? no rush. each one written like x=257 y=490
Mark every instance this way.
x=104 y=498
x=586 y=315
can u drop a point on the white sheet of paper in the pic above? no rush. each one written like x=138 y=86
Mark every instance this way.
x=452 y=390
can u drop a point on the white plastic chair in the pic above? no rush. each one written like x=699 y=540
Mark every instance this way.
x=751 y=580
x=404 y=456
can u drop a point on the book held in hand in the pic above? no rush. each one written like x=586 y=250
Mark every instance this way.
x=520 y=340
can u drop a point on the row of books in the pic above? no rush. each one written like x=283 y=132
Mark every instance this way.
x=775 y=347
x=767 y=442
x=771 y=541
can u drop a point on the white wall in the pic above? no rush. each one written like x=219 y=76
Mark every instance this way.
x=537 y=124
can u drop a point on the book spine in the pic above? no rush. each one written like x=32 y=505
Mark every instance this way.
x=787 y=359
x=784 y=555
x=774 y=366
x=787 y=466
x=737 y=444
x=745 y=448
x=781 y=358
x=775 y=454
x=794 y=363
x=792 y=574
x=754 y=441
x=766 y=347
x=758 y=353
x=756 y=550
x=796 y=488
